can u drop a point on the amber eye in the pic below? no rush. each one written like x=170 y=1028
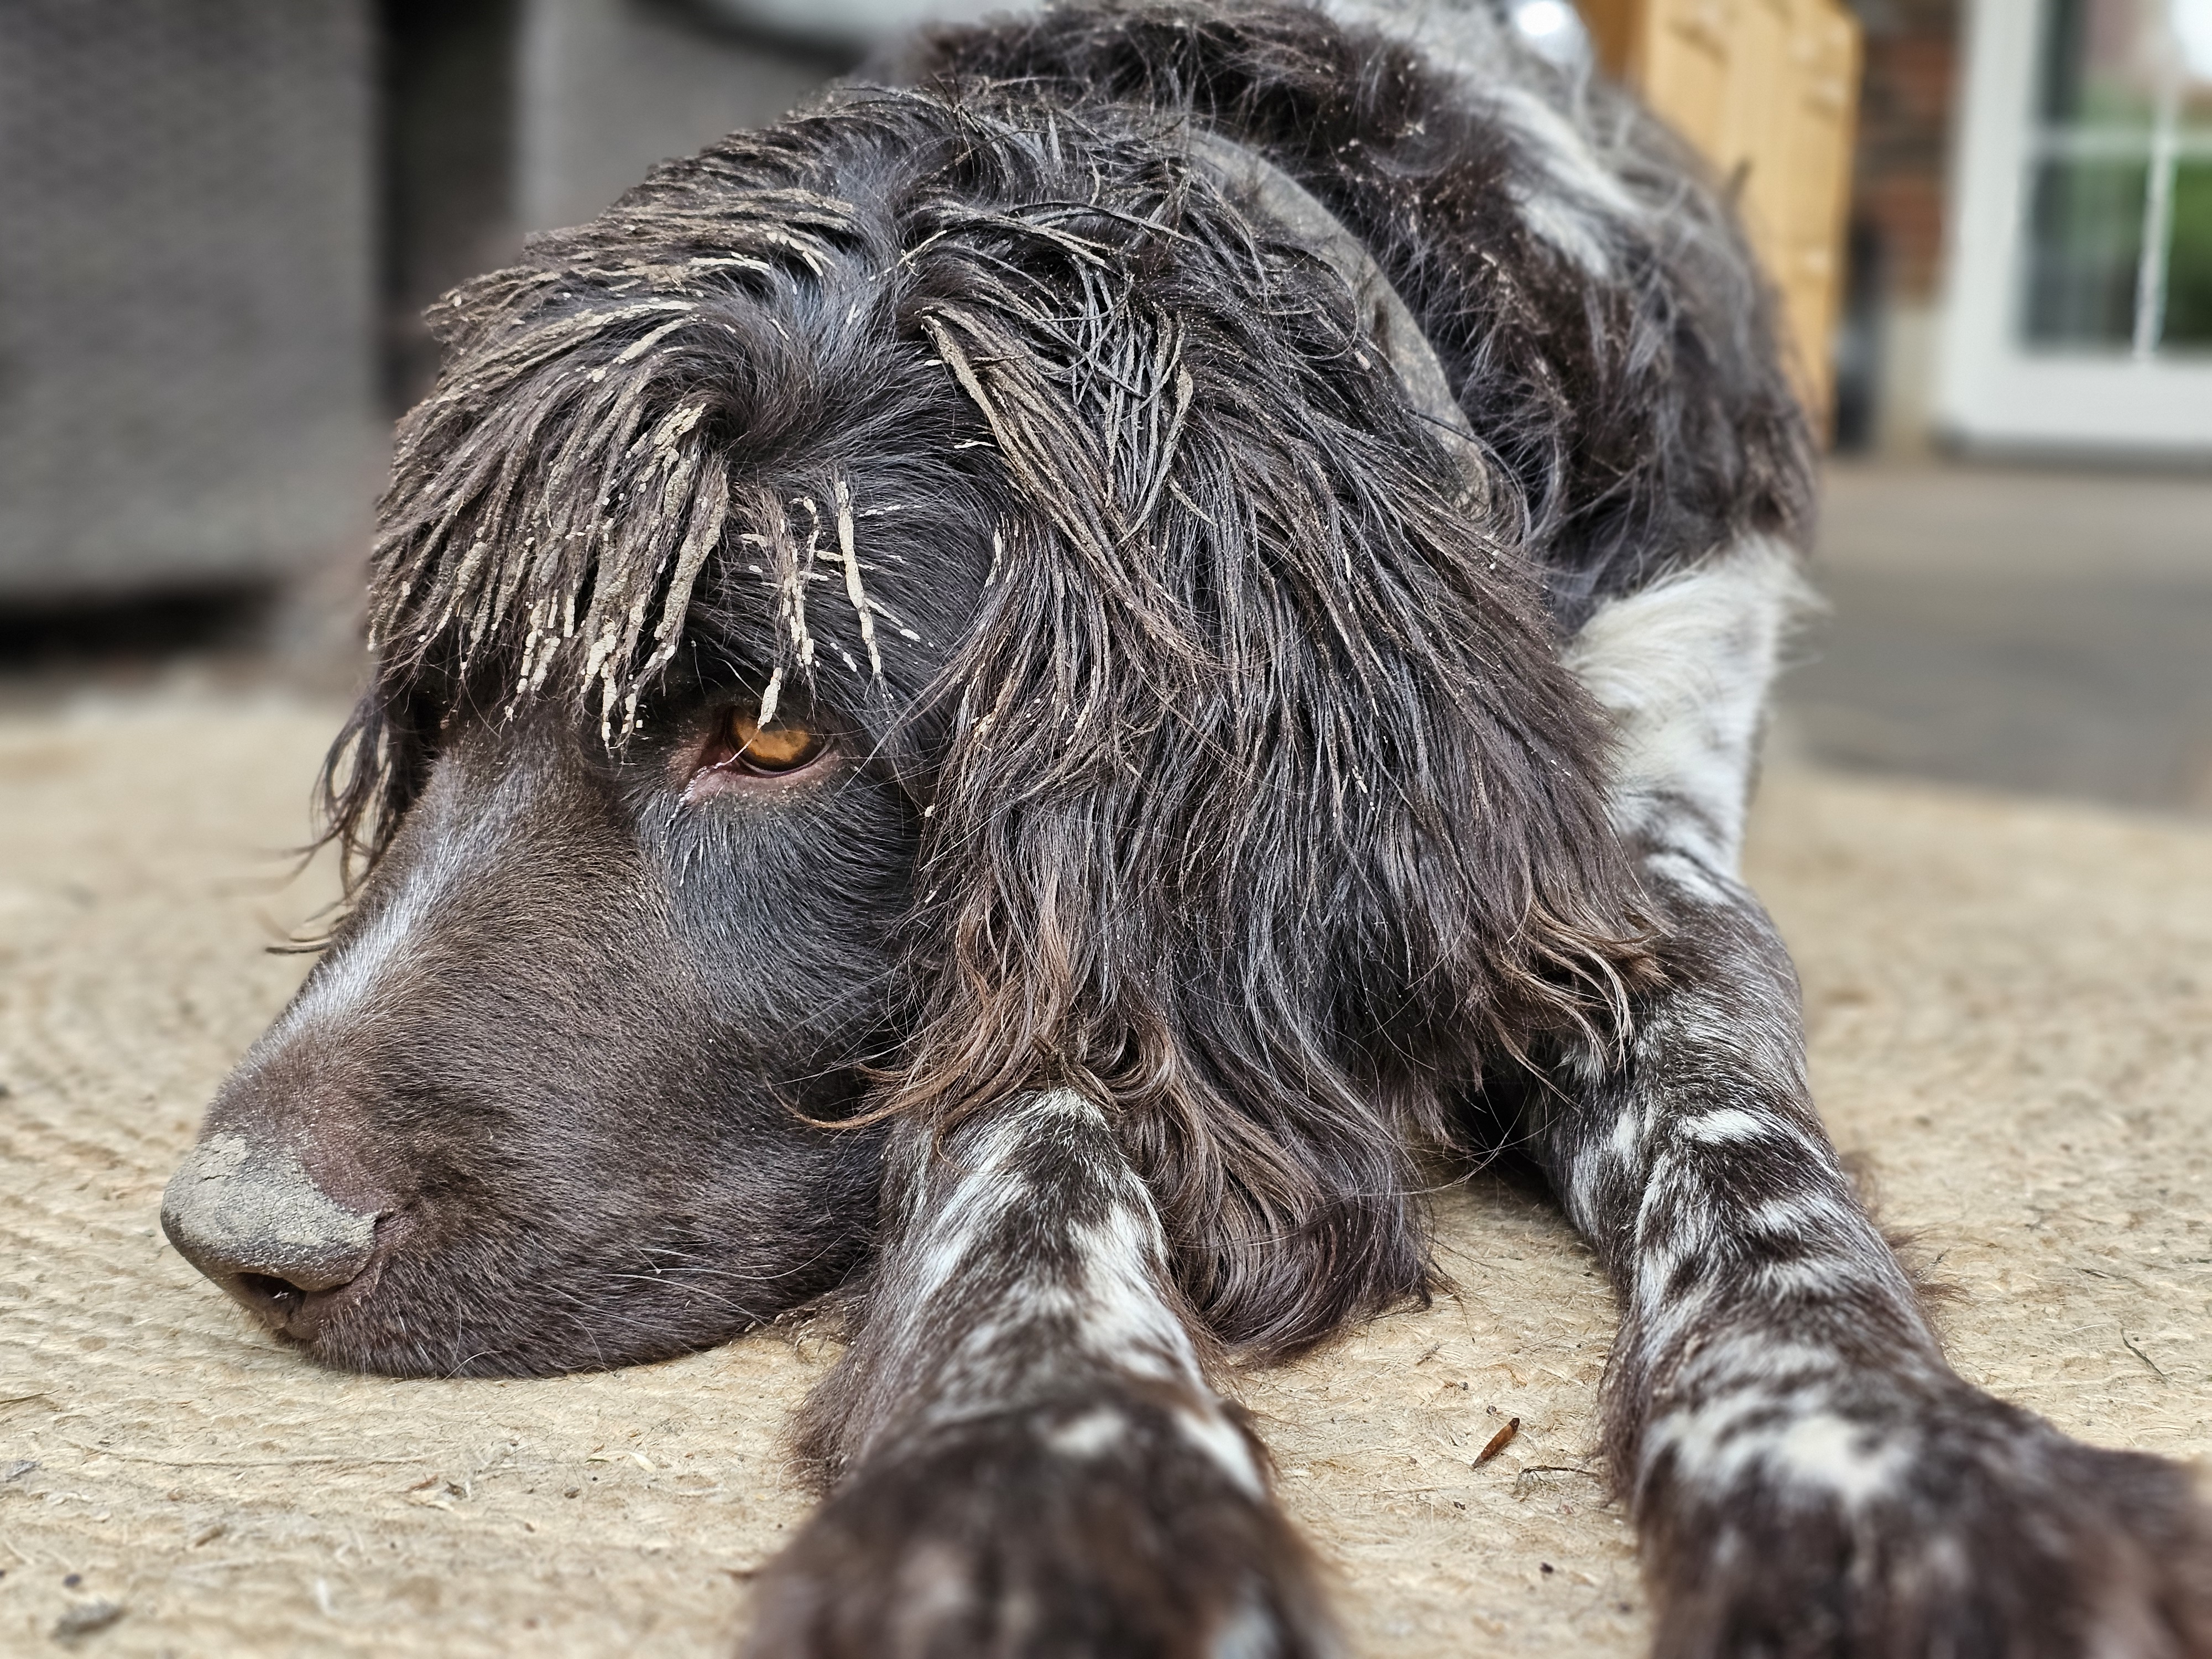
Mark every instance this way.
x=784 y=747
x=738 y=746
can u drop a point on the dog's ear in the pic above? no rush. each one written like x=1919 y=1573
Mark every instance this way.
x=1268 y=811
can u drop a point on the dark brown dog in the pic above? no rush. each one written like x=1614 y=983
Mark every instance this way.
x=957 y=715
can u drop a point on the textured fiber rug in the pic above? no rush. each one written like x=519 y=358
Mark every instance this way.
x=2011 y=1010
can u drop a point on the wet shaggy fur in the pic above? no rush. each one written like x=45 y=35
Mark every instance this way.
x=978 y=419
x=1235 y=786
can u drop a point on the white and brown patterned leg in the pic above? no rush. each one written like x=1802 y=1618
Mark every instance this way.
x=1808 y=1474
x=1026 y=1457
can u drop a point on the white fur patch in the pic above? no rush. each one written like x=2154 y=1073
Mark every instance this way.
x=345 y=979
x=1091 y=1434
x=1107 y=1314
x=1119 y=1311
x=991 y=1185
x=1218 y=1437
x=1845 y=1460
x=1576 y=204
x=1806 y=1215
x=1250 y=1633
x=1683 y=667
x=1626 y=1140
x=1730 y=1125
x=1808 y=1450
x=1811 y=1449
x=1800 y=1280
x=965 y=1215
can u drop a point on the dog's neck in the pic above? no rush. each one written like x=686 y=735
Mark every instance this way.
x=1264 y=190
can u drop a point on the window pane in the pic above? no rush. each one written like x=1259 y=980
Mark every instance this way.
x=2085 y=239
x=2102 y=60
x=2189 y=269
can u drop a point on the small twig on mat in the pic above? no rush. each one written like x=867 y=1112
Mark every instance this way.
x=242 y=1463
x=1499 y=1442
x=2145 y=1358
x=1553 y=1468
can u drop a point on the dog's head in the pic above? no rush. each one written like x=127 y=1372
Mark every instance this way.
x=922 y=601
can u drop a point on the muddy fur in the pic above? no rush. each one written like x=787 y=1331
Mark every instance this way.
x=975 y=417
x=949 y=721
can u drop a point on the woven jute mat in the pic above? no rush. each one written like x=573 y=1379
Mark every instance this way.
x=2011 y=1015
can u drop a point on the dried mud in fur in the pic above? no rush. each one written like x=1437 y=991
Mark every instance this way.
x=2011 y=1016
x=994 y=431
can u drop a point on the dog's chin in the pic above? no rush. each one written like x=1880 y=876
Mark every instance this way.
x=358 y=1333
x=420 y=1315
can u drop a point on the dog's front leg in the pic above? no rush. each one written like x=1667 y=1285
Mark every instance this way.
x=1026 y=1457
x=1808 y=1475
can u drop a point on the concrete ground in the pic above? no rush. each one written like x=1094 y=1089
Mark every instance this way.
x=2048 y=632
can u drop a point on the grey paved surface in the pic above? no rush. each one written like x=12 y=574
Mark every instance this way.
x=2048 y=632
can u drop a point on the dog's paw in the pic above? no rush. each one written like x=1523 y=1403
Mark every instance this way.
x=1956 y=1528
x=1129 y=1529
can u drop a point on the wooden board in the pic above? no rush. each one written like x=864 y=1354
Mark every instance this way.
x=1768 y=91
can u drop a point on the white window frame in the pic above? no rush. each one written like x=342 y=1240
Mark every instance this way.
x=1993 y=391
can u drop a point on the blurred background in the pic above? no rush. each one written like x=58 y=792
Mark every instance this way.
x=1991 y=220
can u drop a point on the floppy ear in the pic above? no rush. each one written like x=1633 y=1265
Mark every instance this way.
x=1268 y=811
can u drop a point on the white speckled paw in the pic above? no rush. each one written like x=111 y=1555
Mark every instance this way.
x=1952 y=1528
x=1095 y=1530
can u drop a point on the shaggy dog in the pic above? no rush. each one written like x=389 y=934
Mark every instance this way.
x=1014 y=695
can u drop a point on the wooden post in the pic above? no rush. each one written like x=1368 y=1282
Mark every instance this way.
x=1768 y=91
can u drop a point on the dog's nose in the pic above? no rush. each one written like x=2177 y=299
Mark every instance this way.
x=252 y=1219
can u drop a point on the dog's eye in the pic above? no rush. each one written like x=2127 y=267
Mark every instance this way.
x=738 y=747
x=783 y=747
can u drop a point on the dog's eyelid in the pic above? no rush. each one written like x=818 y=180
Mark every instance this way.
x=736 y=751
x=785 y=746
